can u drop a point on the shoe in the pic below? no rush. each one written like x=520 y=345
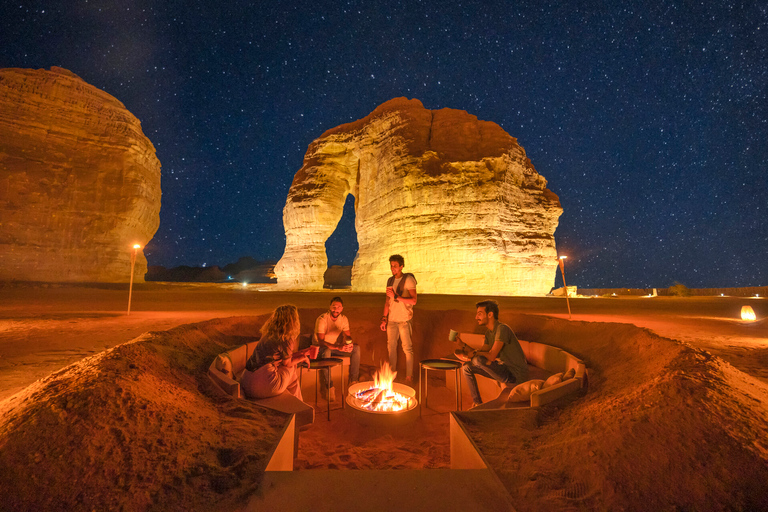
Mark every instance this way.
x=474 y=405
x=330 y=395
x=352 y=382
x=409 y=380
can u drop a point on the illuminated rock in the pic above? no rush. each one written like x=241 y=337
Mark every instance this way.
x=79 y=181
x=457 y=197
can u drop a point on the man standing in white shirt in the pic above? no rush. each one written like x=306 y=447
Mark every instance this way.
x=398 y=312
x=333 y=336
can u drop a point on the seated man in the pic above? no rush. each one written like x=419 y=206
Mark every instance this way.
x=332 y=334
x=501 y=357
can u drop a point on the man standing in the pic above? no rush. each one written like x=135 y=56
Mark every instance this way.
x=398 y=312
x=501 y=357
x=333 y=336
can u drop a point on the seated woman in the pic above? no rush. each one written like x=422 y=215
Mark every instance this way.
x=271 y=368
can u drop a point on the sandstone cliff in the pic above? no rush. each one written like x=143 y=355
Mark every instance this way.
x=79 y=181
x=457 y=197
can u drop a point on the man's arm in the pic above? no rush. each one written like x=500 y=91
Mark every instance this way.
x=493 y=353
x=319 y=324
x=408 y=300
x=385 y=314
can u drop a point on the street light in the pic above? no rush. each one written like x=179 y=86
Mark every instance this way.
x=562 y=271
x=136 y=248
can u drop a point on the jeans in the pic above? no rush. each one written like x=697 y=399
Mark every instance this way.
x=401 y=330
x=495 y=370
x=354 y=364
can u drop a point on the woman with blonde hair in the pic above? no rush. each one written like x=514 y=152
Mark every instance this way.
x=271 y=368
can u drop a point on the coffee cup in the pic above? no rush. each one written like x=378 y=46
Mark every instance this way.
x=452 y=335
x=314 y=351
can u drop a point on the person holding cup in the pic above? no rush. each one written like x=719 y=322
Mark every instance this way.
x=333 y=338
x=398 y=312
x=271 y=369
x=501 y=357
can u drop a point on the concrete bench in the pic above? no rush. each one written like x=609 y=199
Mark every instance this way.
x=543 y=361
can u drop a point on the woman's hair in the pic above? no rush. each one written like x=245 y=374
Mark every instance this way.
x=283 y=326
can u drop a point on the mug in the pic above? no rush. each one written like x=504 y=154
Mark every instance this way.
x=452 y=335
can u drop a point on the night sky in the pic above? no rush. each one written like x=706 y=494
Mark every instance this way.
x=648 y=119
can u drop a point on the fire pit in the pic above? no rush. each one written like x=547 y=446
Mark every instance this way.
x=383 y=401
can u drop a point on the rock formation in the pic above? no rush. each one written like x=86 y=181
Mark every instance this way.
x=79 y=181
x=457 y=197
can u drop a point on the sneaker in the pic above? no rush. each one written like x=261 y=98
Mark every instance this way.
x=330 y=395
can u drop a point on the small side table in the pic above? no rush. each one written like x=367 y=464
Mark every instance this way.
x=323 y=363
x=444 y=365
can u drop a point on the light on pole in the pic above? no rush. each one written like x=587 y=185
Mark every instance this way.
x=135 y=251
x=562 y=271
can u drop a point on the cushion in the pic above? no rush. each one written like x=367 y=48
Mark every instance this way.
x=224 y=364
x=522 y=392
x=552 y=380
x=569 y=374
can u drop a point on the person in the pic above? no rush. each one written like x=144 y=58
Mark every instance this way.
x=334 y=339
x=501 y=357
x=398 y=312
x=271 y=369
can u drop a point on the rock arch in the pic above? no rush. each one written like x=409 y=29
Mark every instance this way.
x=457 y=197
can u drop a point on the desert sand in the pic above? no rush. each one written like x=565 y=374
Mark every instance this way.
x=100 y=410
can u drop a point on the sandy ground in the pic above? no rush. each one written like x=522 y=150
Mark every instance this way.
x=673 y=412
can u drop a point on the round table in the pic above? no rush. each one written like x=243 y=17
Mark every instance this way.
x=444 y=365
x=323 y=363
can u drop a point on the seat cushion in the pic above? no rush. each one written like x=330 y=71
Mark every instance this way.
x=522 y=392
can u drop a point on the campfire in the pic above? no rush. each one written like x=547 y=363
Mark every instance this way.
x=383 y=398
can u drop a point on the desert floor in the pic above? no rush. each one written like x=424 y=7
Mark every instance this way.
x=695 y=376
x=45 y=328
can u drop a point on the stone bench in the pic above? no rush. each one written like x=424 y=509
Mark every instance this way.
x=226 y=370
x=543 y=361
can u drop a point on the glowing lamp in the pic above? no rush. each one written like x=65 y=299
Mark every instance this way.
x=245 y=285
x=748 y=314
x=135 y=251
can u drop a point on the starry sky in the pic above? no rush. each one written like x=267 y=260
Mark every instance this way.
x=649 y=119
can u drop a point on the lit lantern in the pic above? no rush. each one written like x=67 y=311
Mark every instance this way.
x=748 y=314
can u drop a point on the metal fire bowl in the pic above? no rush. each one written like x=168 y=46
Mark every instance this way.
x=383 y=418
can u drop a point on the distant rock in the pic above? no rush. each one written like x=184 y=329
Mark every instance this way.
x=79 y=181
x=246 y=270
x=185 y=274
x=337 y=277
x=456 y=196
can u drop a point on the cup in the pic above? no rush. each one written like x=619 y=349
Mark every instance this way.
x=314 y=351
x=452 y=335
x=348 y=341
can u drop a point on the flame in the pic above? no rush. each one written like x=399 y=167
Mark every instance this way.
x=381 y=397
x=384 y=377
x=748 y=314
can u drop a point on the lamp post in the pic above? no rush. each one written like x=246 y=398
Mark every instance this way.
x=561 y=261
x=136 y=248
